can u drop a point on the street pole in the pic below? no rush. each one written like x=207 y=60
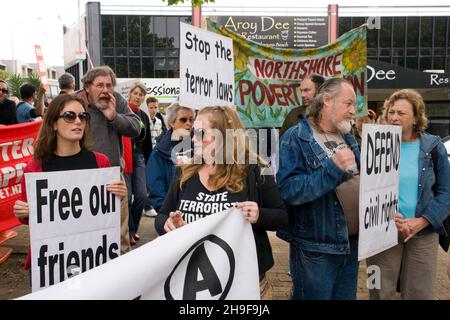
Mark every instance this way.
x=332 y=22
x=197 y=16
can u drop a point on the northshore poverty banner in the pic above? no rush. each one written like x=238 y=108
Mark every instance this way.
x=267 y=79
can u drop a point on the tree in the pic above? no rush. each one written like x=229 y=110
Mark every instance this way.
x=195 y=3
x=15 y=81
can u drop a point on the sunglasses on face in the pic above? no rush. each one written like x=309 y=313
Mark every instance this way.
x=4 y=90
x=70 y=116
x=184 y=120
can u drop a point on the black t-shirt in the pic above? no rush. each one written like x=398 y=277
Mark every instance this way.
x=7 y=112
x=81 y=160
x=196 y=202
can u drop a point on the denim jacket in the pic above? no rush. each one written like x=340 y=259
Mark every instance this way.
x=307 y=179
x=434 y=190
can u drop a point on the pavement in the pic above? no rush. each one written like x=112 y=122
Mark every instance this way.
x=14 y=281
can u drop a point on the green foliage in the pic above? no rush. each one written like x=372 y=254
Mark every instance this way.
x=195 y=3
x=34 y=79
x=4 y=75
x=15 y=81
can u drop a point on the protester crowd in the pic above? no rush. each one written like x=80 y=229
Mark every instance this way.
x=164 y=162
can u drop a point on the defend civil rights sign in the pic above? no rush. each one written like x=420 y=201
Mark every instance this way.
x=74 y=223
x=267 y=79
x=378 y=195
x=206 y=68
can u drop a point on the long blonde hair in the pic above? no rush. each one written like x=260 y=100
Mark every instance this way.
x=232 y=175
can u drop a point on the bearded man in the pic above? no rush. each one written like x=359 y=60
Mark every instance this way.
x=319 y=180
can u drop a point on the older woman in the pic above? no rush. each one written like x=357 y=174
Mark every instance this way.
x=424 y=203
x=141 y=147
x=162 y=162
x=63 y=144
x=240 y=183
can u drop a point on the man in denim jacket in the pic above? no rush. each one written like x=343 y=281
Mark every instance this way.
x=316 y=156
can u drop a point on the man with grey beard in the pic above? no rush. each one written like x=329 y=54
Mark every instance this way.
x=319 y=181
x=111 y=118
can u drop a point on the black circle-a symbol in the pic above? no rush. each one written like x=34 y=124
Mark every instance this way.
x=224 y=246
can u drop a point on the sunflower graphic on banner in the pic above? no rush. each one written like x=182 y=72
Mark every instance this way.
x=267 y=79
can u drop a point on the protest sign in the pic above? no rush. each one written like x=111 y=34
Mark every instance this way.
x=74 y=223
x=213 y=258
x=41 y=66
x=378 y=196
x=16 y=145
x=267 y=79
x=206 y=68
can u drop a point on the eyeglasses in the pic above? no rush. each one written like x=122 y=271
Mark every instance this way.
x=4 y=90
x=70 y=116
x=184 y=120
x=102 y=86
x=199 y=134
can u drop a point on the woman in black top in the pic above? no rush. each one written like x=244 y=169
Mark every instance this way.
x=207 y=186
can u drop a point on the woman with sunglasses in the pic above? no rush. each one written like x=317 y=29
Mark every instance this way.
x=63 y=144
x=219 y=171
x=168 y=150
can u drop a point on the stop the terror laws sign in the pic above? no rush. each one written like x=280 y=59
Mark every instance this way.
x=206 y=68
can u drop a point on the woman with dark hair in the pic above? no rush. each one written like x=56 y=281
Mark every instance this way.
x=424 y=203
x=238 y=183
x=63 y=144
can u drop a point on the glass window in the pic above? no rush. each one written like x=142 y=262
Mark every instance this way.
x=109 y=61
x=108 y=51
x=372 y=52
x=160 y=73
x=413 y=34
x=398 y=52
x=121 y=52
x=160 y=31
x=440 y=26
x=172 y=64
x=345 y=25
x=147 y=52
x=134 y=52
x=187 y=19
x=107 y=31
x=412 y=52
x=439 y=51
x=439 y=63
x=135 y=68
x=425 y=51
x=386 y=32
x=147 y=68
x=134 y=31
x=399 y=31
x=426 y=31
x=147 y=31
x=400 y=61
x=372 y=38
x=121 y=31
x=425 y=63
x=173 y=32
x=385 y=52
x=411 y=63
x=160 y=63
x=173 y=53
x=121 y=68
x=358 y=21
x=160 y=52
x=173 y=73
x=385 y=59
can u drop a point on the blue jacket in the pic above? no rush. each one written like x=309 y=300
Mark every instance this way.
x=160 y=170
x=433 y=205
x=307 y=178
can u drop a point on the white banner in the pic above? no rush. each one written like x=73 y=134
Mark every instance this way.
x=74 y=223
x=166 y=90
x=206 y=68
x=213 y=258
x=378 y=193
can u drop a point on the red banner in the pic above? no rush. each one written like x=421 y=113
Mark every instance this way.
x=16 y=150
